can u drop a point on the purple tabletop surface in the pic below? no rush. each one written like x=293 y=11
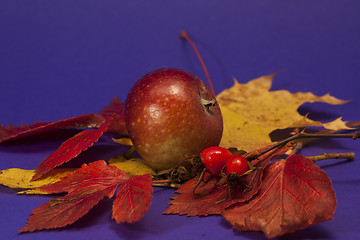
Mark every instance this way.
x=60 y=59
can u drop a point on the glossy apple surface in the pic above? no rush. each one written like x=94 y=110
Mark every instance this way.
x=171 y=114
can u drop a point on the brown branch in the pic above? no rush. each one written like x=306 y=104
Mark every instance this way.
x=165 y=183
x=349 y=156
x=354 y=125
x=297 y=146
x=303 y=135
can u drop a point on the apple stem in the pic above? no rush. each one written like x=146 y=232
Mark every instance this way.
x=185 y=36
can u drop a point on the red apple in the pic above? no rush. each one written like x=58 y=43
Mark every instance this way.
x=171 y=114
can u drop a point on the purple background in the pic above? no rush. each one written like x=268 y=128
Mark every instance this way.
x=60 y=59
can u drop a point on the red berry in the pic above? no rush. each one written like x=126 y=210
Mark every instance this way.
x=214 y=159
x=236 y=164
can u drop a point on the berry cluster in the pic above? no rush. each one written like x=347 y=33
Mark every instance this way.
x=218 y=160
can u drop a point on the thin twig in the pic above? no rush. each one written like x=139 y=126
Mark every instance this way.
x=308 y=136
x=171 y=185
x=165 y=183
x=349 y=156
x=354 y=125
x=296 y=147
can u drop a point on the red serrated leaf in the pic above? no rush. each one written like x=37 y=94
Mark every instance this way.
x=117 y=125
x=86 y=188
x=295 y=194
x=70 y=149
x=116 y=106
x=133 y=199
x=117 y=109
x=63 y=211
x=79 y=122
x=212 y=198
x=96 y=173
x=186 y=203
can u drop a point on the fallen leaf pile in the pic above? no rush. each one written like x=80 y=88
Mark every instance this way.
x=278 y=197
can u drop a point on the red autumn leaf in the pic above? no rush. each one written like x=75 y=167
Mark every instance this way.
x=186 y=203
x=212 y=198
x=64 y=211
x=133 y=199
x=295 y=194
x=70 y=149
x=116 y=106
x=79 y=122
x=117 y=109
x=86 y=187
x=95 y=173
x=117 y=125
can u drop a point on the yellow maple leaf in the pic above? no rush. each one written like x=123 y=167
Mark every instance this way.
x=251 y=112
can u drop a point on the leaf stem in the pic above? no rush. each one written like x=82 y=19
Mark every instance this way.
x=128 y=154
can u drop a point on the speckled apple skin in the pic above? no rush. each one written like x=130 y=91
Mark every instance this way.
x=166 y=118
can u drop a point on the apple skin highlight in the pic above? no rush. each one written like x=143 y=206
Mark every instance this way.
x=171 y=114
